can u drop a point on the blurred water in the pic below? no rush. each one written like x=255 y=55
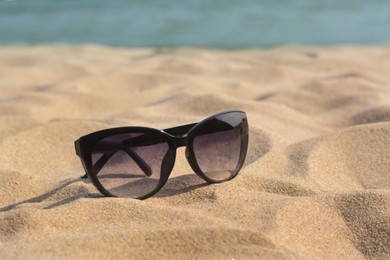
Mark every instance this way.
x=211 y=23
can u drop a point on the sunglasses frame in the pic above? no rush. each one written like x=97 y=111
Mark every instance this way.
x=175 y=137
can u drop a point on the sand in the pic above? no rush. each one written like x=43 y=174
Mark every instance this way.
x=315 y=183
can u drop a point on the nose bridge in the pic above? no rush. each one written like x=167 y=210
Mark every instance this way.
x=180 y=141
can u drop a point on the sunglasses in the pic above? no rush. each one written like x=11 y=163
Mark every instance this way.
x=136 y=161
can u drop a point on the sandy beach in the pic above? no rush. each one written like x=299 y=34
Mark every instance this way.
x=315 y=184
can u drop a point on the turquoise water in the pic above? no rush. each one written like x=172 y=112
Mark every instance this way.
x=210 y=23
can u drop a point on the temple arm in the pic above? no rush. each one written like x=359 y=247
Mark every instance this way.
x=151 y=139
x=179 y=130
x=110 y=148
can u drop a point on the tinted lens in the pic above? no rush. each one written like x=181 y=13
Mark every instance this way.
x=218 y=146
x=129 y=165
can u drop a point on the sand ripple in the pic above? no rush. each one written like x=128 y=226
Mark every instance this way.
x=315 y=183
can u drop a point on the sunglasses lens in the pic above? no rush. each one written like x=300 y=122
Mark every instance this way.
x=220 y=144
x=129 y=165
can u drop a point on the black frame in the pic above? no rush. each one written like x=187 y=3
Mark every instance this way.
x=175 y=137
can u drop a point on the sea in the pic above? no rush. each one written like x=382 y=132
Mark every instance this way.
x=229 y=24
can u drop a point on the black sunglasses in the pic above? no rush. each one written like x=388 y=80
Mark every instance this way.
x=137 y=161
